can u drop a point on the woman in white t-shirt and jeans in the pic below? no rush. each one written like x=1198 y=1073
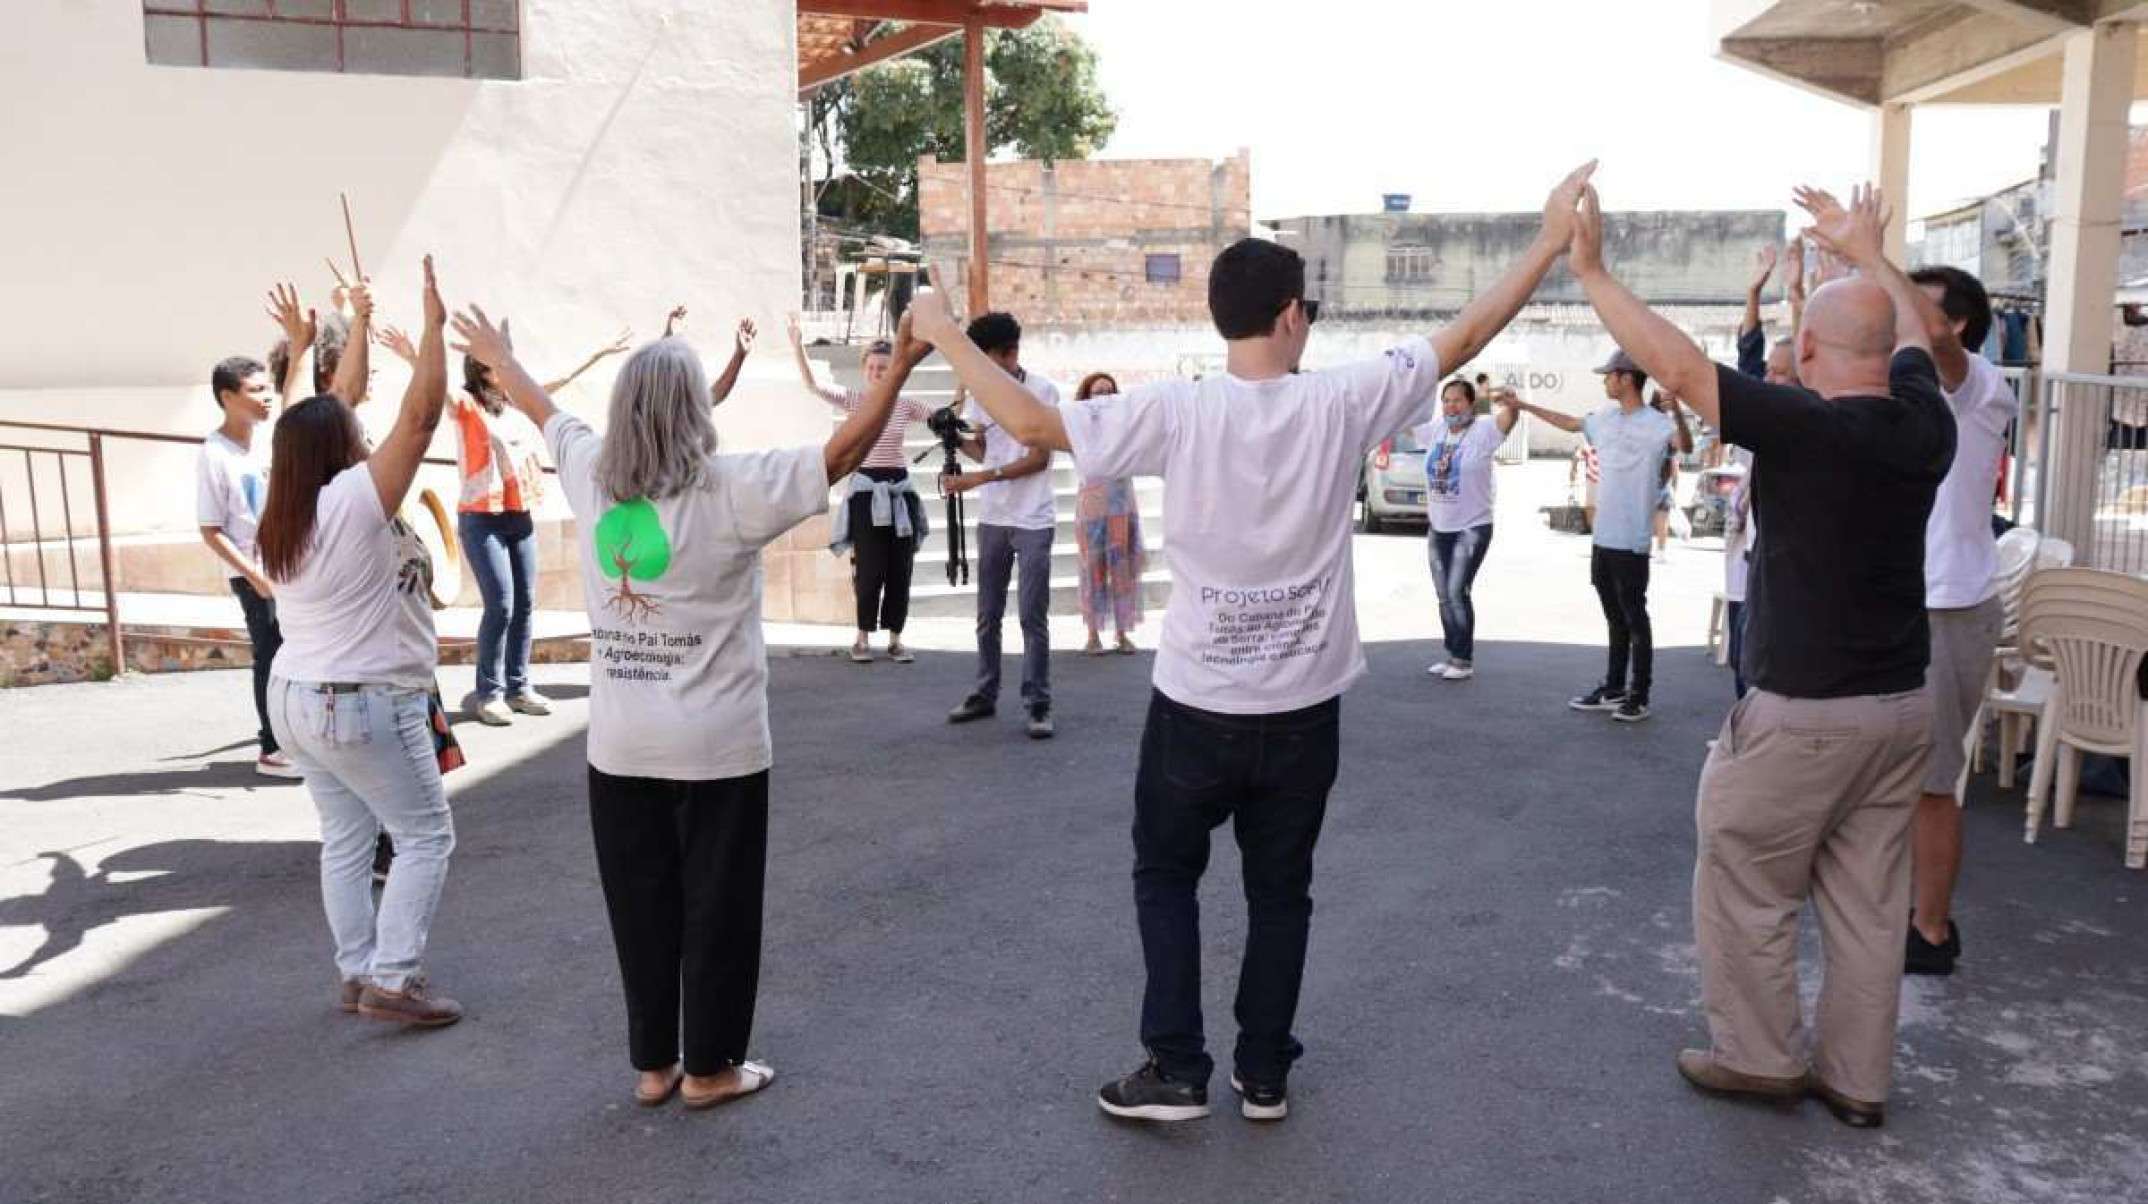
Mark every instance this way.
x=1459 y=451
x=669 y=536
x=351 y=691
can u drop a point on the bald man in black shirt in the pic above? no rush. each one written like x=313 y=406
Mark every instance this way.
x=1814 y=779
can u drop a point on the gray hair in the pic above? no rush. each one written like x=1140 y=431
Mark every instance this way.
x=661 y=436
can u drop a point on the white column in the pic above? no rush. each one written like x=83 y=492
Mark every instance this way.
x=2095 y=96
x=1890 y=170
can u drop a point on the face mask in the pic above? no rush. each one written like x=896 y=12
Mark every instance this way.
x=1456 y=422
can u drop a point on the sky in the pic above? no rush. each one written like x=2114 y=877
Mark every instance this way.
x=1474 y=106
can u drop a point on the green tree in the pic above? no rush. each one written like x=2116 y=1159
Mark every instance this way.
x=1042 y=101
x=632 y=546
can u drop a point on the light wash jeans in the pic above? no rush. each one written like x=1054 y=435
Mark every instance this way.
x=367 y=755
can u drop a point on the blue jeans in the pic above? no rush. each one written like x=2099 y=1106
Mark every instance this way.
x=999 y=549
x=367 y=755
x=503 y=556
x=1456 y=556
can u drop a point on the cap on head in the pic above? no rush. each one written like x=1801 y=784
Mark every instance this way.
x=1619 y=362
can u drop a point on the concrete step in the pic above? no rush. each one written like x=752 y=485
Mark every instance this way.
x=931 y=562
x=1062 y=532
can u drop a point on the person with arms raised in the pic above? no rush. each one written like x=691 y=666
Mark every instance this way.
x=670 y=532
x=1809 y=790
x=1260 y=640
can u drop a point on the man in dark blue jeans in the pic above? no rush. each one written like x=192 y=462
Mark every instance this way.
x=1260 y=638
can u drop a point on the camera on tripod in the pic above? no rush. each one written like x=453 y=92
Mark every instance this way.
x=951 y=430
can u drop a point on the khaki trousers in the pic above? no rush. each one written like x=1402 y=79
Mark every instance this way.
x=1808 y=797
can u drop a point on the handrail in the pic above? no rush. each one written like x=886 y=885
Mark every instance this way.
x=165 y=437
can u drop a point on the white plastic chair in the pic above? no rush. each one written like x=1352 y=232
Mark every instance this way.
x=2022 y=552
x=2094 y=627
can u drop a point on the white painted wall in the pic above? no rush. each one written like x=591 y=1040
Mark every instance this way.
x=648 y=157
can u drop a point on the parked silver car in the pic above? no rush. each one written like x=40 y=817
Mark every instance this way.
x=1392 y=486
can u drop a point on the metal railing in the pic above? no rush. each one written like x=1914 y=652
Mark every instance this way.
x=2091 y=471
x=30 y=495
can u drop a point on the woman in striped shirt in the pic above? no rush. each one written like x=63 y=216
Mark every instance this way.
x=882 y=520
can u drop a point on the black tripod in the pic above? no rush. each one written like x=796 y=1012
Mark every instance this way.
x=958 y=556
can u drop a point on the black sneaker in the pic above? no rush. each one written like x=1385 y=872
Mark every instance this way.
x=1147 y=1095
x=1631 y=710
x=1923 y=957
x=976 y=706
x=1258 y=1101
x=1602 y=698
x=1040 y=721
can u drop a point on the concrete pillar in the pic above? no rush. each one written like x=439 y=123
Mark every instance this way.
x=1890 y=170
x=2095 y=96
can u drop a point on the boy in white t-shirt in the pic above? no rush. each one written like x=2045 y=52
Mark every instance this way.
x=1260 y=637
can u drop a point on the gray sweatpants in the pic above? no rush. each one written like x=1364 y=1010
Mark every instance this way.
x=998 y=548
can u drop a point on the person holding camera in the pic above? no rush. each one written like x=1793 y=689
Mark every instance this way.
x=1015 y=521
x=1260 y=636
x=882 y=518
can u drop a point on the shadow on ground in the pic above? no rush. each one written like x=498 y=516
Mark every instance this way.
x=1501 y=970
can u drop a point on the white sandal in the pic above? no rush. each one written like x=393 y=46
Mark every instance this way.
x=752 y=1076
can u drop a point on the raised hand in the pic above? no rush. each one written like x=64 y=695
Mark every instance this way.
x=909 y=349
x=359 y=296
x=298 y=323
x=1794 y=267
x=481 y=340
x=930 y=317
x=790 y=326
x=1856 y=232
x=621 y=345
x=1585 y=248
x=396 y=341
x=1764 y=266
x=673 y=320
x=1559 y=207
x=435 y=311
x=747 y=333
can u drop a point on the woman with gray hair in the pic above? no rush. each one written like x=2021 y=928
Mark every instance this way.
x=671 y=534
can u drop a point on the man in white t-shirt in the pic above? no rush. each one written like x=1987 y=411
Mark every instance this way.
x=1015 y=522
x=1961 y=595
x=1260 y=637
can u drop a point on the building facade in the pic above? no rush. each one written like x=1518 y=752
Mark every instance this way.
x=581 y=165
x=1096 y=241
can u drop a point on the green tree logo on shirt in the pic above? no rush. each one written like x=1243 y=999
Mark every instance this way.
x=632 y=546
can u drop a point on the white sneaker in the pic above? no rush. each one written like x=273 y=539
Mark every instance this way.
x=1459 y=671
x=276 y=765
x=491 y=712
x=530 y=702
x=1437 y=668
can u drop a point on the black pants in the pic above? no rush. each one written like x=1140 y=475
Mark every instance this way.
x=883 y=559
x=1270 y=775
x=1621 y=580
x=266 y=637
x=683 y=865
x=1734 y=621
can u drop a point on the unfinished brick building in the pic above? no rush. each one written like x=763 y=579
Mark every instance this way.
x=1116 y=241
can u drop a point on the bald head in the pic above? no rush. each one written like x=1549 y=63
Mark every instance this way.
x=1853 y=315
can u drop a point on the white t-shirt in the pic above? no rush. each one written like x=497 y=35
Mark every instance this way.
x=1961 y=555
x=678 y=681
x=1260 y=480
x=230 y=486
x=358 y=609
x=1458 y=472
x=1024 y=502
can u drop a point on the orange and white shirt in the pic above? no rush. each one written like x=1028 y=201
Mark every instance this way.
x=501 y=470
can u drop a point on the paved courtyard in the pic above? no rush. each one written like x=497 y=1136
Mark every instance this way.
x=1500 y=972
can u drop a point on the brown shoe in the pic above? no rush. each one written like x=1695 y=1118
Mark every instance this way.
x=1853 y=1112
x=414 y=1005
x=1702 y=1070
x=347 y=993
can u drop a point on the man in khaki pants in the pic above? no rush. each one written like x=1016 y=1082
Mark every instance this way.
x=1814 y=779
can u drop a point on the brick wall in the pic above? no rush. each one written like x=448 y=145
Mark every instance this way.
x=1073 y=242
